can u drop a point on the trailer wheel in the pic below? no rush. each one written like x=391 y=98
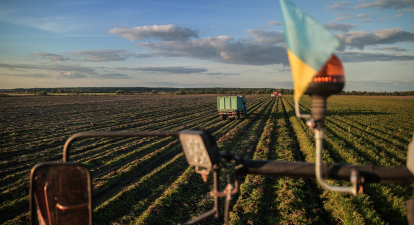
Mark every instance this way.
x=236 y=116
x=221 y=116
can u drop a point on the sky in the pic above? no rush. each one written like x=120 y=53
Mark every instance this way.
x=196 y=43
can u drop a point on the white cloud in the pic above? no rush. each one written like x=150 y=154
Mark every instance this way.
x=392 y=49
x=347 y=17
x=161 y=32
x=349 y=56
x=267 y=37
x=52 y=57
x=359 y=39
x=101 y=55
x=26 y=75
x=69 y=75
x=362 y=16
x=174 y=70
x=222 y=74
x=340 y=27
x=387 y=4
x=220 y=49
x=163 y=84
x=274 y=23
x=114 y=76
x=398 y=15
x=378 y=85
x=52 y=67
x=338 y=6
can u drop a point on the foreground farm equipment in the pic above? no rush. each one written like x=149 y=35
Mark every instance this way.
x=61 y=193
x=233 y=106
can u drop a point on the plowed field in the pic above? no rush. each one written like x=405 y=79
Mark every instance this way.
x=148 y=181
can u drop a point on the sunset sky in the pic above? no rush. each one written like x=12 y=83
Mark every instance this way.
x=195 y=43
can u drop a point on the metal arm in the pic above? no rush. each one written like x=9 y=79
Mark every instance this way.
x=297 y=110
x=318 y=169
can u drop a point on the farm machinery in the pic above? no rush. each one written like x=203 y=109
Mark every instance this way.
x=276 y=94
x=233 y=106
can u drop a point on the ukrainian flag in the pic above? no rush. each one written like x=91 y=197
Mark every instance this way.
x=309 y=45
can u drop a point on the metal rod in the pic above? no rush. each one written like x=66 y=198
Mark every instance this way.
x=297 y=110
x=318 y=167
x=370 y=173
x=113 y=134
x=216 y=177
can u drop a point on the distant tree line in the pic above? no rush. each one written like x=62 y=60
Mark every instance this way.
x=183 y=91
x=152 y=90
x=381 y=93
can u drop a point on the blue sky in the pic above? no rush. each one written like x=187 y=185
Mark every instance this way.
x=195 y=43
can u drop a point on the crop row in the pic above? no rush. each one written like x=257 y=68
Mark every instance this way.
x=210 y=123
x=339 y=146
x=187 y=197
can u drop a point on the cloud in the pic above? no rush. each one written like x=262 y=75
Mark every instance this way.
x=340 y=27
x=102 y=55
x=347 y=17
x=398 y=15
x=392 y=49
x=52 y=67
x=175 y=70
x=267 y=37
x=58 y=71
x=163 y=84
x=386 y=4
x=69 y=75
x=348 y=56
x=366 y=17
x=222 y=74
x=221 y=49
x=26 y=75
x=274 y=23
x=52 y=57
x=114 y=76
x=284 y=69
x=379 y=85
x=162 y=32
x=338 y=6
x=362 y=16
x=359 y=39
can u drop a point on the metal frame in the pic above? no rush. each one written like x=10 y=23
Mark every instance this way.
x=32 y=202
x=360 y=174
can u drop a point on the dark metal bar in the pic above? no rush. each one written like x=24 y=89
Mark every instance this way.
x=202 y=217
x=370 y=173
x=113 y=134
x=216 y=177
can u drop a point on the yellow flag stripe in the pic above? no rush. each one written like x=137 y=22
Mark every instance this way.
x=302 y=74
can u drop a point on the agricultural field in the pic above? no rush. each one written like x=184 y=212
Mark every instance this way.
x=148 y=181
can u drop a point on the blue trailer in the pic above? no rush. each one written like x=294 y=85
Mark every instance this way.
x=232 y=106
